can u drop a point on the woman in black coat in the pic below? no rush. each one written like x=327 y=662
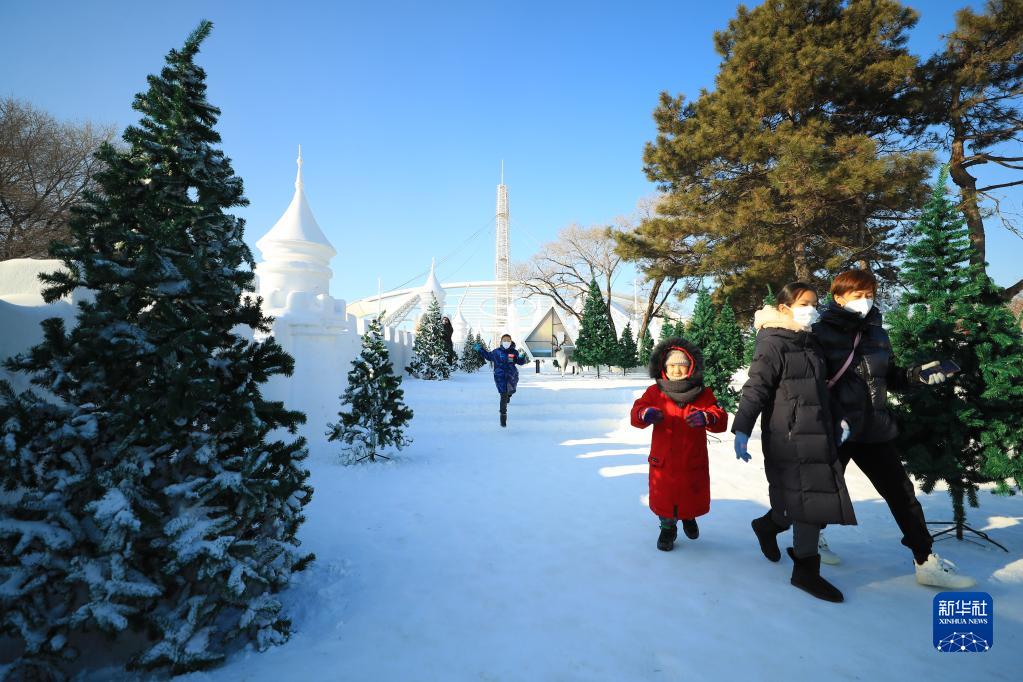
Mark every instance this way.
x=861 y=368
x=787 y=390
x=449 y=344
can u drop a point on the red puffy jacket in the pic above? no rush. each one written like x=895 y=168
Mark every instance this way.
x=679 y=470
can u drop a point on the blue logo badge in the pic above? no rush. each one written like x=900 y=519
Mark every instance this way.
x=964 y=622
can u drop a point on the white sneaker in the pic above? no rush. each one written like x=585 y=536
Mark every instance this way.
x=938 y=572
x=827 y=556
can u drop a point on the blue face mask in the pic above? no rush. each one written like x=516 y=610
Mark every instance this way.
x=506 y=344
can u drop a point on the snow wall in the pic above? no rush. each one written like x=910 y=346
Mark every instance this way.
x=315 y=330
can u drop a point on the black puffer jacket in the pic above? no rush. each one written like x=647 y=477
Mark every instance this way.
x=787 y=389
x=861 y=394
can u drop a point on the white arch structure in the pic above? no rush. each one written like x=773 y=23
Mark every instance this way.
x=532 y=320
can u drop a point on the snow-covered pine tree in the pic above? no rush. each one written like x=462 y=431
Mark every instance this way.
x=628 y=353
x=596 y=344
x=477 y=360
x=429 y=356
x=469 y=361
x=377 y=414
x=968 y=430
x=150 y=498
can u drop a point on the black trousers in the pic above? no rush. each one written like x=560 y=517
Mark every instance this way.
x=881 y=464
x=505 y=397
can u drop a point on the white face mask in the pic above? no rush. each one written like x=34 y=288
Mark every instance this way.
x=506 y=344
x=805 y=316
x=860 y=306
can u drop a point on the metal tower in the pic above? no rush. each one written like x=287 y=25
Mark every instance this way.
x=502 y=295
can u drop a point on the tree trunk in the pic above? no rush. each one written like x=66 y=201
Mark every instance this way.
x=968 y=200
x=610 y=318
x=958 y=510
x=801 y=265
x=648 y=313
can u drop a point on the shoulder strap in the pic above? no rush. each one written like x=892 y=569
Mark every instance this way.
x=848 y=361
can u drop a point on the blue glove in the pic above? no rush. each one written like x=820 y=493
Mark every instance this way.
x=651 y=415
x=478 y=347
x=741 y=443
x=846 y=432
x=699 y=419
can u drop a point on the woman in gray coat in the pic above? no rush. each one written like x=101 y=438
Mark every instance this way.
x=787 y=389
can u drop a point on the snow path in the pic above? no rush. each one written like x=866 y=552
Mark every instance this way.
x=527 y=553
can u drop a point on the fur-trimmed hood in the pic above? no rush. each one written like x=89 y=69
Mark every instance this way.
x=660 y=354
x=769 y=317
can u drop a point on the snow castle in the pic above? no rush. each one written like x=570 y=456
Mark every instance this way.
x=294 y=281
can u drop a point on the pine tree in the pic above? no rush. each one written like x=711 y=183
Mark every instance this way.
x=667 y=329
x=969 y=430
x=750 y=334
x=429 y=356
x=646 y=347
x=150 y=498
x=596 y=344
x=700 y=329
x=726 y=358
x=377 y=416
x=481 y=342
x=628 y=353
x=722 y=157
x=470 y=360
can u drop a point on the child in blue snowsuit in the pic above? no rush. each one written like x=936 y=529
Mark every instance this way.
x=506 y=359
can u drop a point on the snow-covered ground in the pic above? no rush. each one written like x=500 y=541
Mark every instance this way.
x=528 y=553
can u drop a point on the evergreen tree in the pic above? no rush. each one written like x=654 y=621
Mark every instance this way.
x=429 y=356
x=150 y=497
x=596 y=344
x=667 y=329
x=700 y=329
x=757 y=169
x=974 y=92
x=378 y=416
x=481 y=342
x=470 y=360
x=726 y=355
x=628 y=353
x=750 y=334
x=969 y=430
x=646 y=347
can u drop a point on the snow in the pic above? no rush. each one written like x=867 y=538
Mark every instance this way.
x=528 y=553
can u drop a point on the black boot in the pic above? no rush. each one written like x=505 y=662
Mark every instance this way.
x=666 y=540
x=504 y=419
x=767 y=533
x=504 y=409
x=690 y=528
x=806 y=575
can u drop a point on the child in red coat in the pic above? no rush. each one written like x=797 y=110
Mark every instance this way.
x=682 y=411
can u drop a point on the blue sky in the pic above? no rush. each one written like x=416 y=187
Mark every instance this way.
x=406 y=109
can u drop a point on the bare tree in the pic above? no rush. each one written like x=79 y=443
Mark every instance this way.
x=564 y=268
x=45 y=166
